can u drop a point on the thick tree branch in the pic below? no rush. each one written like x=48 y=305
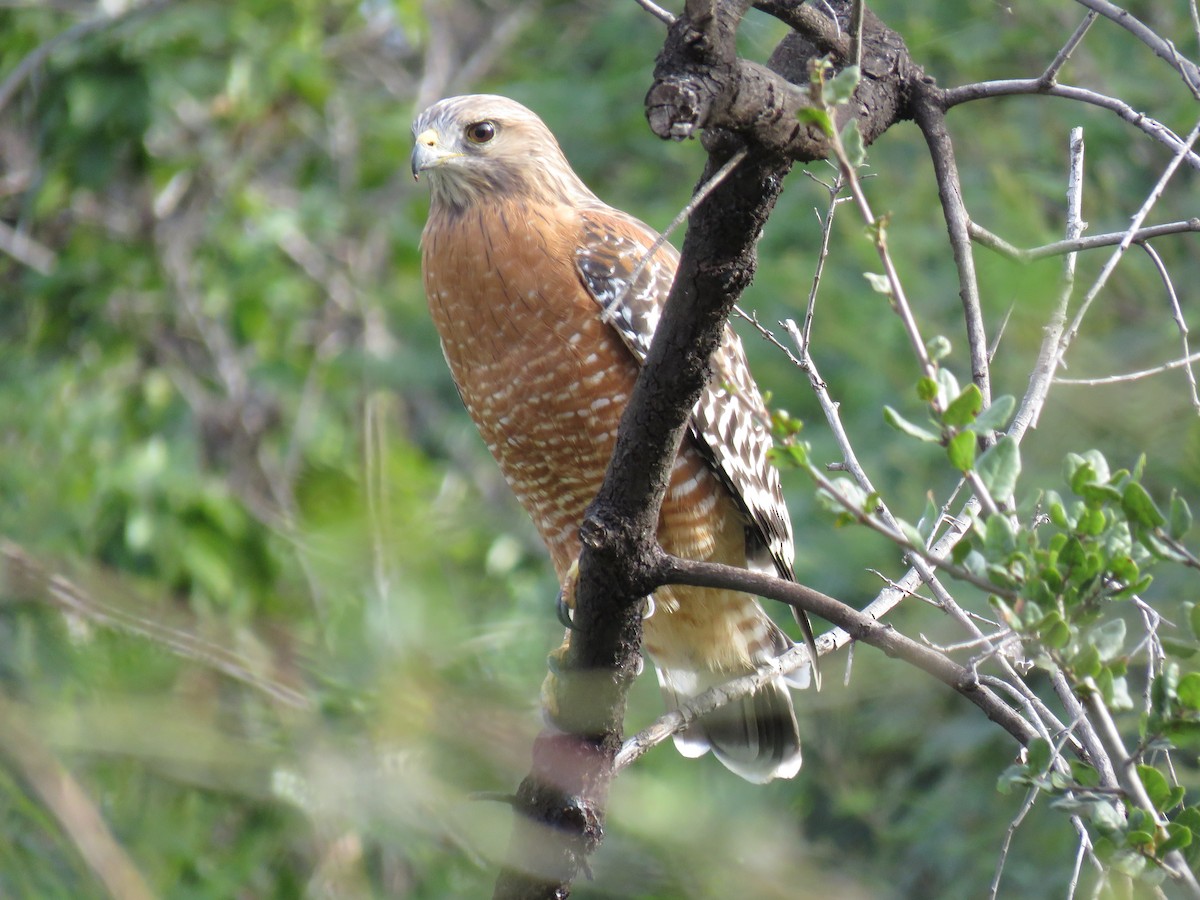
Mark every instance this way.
x=560 y=804
x=692 y=91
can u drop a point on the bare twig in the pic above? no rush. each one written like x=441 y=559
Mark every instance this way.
x=1162 y=48
x=1177 y=315
x=1048 y=356
x=1119 y=252
x=931 y=119
x=856 y=27
x=859 y=625
x=655 y=10
x=1050 y=76
x=1133 y=376
x=897 y=295
x=697 y=198
x=993 y=242
x=1152 y=127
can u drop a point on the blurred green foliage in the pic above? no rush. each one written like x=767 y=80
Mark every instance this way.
x=296 y=620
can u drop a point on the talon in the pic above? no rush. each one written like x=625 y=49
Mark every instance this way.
x=641 y=666
x=648 y=611
x=564 y=611
x=565 y=603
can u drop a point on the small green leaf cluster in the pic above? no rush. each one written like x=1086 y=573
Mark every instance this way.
x=1064 y=583
x=787 y=451
x=827 y=94
x=1061 y=577
x=957 y=421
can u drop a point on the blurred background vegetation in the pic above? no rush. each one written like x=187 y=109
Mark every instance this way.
x=269 y=617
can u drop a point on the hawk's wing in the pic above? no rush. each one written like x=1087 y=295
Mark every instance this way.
x=730 y=421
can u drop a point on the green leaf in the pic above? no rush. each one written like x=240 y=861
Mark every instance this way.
x=1181 y=518
x=1108 y=639
x=961 y=451
x=927 y=389
x=1178 y=837
x=1092 y=522
x=911 y=533
x=1140 y=507
x=1188 y=691
x=852 y=144
x=1183 y=734
x=964 y=408
x=996 y=416
x=1000 y=467
x=1087 y=662
x=904 y=426
x=1038 y=755
x=840 y=88
x=1156 y=786
x=879 y=283
x=812 y=115
x=1056 y=634
x=1118 y=694
x=1106 y=817
x=1189 y=817
x=1084 y=774
x=1057 y=512
x=1097 y=494
x=1000 y=538
x=947 y=385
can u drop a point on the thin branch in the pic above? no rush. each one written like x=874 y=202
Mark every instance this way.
x=1050 y=76
x=1162 y=48
x=993 y=242
x=1019 y=86
x=1136 y=223
x=897 y=296
x=931 y=119
x=1128 y=778
x=697 y=198
x=1048 y=357
x=1177 y=315
x=859 y=625
x=856 y=28
x=657 y=11
x=1133 y=376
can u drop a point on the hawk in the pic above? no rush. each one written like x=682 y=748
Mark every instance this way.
x=546 y=307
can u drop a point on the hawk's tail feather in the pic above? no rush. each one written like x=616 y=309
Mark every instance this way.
x=754 y=736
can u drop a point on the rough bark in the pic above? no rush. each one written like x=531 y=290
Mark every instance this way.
x=700 y=86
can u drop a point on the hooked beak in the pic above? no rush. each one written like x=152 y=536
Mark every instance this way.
x=427 y=153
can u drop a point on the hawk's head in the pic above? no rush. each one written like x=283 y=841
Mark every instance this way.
x=482 y=147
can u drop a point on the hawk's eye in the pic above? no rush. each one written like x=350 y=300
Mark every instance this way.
x=481 y=132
